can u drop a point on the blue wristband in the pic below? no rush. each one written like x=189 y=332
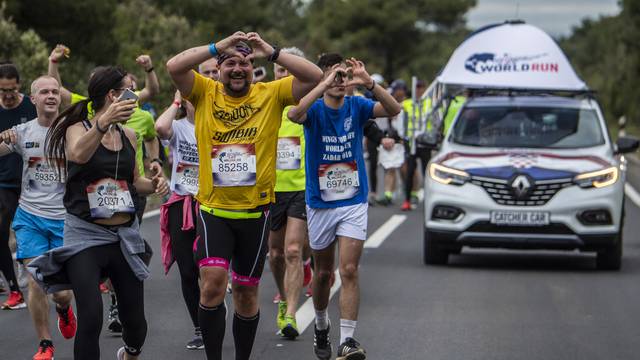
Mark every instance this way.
x=212 y=49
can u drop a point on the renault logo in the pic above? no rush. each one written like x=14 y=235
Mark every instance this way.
x=521 y=186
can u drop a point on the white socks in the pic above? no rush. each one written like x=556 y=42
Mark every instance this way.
x=347 y=328
x=322 y=319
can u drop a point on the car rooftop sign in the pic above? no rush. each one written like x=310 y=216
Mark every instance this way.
x=512 y=55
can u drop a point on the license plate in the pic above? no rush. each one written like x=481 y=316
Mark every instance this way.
x=527 y=218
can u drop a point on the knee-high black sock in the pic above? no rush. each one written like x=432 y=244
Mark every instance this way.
x=244 y=332
x=212 y=322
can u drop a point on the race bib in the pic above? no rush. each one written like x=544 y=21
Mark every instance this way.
x=234 y=165
x=43 y=177
x=109 y=196
x=338 y=181
x=187 y=178
x=289 y=154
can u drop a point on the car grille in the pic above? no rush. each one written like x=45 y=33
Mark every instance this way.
x=502 y=193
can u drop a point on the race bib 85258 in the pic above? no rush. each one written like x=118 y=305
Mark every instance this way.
x=233 y=165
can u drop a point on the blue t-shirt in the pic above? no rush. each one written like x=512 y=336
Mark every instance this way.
x=334 y=163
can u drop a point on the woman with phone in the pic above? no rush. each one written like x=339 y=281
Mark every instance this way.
x=101 y=234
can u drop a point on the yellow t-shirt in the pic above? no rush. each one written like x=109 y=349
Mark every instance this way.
x=290 y=156
x=237 y=140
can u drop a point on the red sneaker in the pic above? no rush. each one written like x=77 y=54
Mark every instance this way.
x=406 y=206
x=45 y=351
x=309 y=292
x=308 y=274
x=15 y=301
x=67 y=323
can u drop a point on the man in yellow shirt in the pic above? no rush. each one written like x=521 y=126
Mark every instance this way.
x=236 y=124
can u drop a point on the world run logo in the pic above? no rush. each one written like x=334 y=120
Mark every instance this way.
x=483 y=63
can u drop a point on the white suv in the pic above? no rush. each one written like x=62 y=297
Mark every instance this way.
x=527 y=172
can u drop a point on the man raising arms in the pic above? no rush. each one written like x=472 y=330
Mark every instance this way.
x=236 y=130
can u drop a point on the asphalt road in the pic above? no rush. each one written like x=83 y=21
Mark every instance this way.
x=487 y=304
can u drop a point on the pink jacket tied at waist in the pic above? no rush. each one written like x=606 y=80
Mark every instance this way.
x=187 y=224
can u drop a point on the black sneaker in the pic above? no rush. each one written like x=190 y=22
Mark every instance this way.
x=113 y=321
x=350 y=349
x=321 y=343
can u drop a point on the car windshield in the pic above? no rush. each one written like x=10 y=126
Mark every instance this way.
x=530 y=127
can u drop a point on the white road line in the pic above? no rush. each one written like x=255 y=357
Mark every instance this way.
x=306 y=313
x=376 y=239
x=632 y=194
x=151 y=213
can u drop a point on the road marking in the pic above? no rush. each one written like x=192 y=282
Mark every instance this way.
x=306 y=313
x=632 y=194
x=378 y=237
x=151 y=213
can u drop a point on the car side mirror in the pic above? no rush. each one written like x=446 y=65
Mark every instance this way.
x=626 y=145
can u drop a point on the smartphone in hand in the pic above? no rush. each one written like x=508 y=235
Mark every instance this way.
x=128 y=95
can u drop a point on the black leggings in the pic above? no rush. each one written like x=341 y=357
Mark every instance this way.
x=8 y=205
x=182 y=249
x=372 y=149
x=424 y=155
x=85 y=270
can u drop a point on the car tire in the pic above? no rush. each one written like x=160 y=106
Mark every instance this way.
x=611 y=258
x=433 y=254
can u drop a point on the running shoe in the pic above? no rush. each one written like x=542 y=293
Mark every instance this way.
x=371 y=199
x=350 y=349
x=15 y=301
x=67 y=323
x=290 y=330
x=277 y=298
x=308 y=274
x=120 y=354
x=321 y=343
x=406 y=206
x=282 y=313
x=385 y=201
x=309 y=292
x=197 y=343
x=415 y=200
x=45 y=351
x=113 y=321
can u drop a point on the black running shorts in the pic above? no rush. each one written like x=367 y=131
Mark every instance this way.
x=236 y=238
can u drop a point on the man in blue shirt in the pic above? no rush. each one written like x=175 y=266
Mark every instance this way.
x=336 y=192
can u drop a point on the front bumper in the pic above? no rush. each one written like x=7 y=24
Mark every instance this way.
x=565 y=231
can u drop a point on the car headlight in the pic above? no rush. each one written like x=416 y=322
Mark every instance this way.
x=446 y=175
x=597 y=179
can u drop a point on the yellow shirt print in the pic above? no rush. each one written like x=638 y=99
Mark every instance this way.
x=237 y=139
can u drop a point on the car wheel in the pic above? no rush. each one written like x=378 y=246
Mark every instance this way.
x=432 y=253
x=611 y=258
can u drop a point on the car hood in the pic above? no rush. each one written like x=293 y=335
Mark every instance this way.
x=543 y=164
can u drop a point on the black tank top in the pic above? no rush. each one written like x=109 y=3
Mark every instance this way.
x=90 y=179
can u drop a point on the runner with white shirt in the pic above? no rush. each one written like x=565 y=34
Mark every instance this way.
x=177 y=215
x=39 y=220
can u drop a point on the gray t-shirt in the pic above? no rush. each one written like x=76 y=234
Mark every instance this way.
x=42 y=190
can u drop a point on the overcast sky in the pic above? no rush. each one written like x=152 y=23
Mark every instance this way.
x=557 y=17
